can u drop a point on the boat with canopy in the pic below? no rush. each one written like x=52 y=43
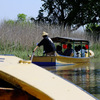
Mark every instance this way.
x=63 y=41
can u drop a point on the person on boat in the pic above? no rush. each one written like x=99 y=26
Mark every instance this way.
x=59 y=50
x=76 y=52
x=69 y=50
x=83 y=51
x=47 y=44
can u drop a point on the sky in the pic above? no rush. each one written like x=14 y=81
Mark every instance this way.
x=9 y=9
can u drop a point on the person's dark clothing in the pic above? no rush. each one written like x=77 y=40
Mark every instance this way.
x=48 y=45
x=59 y=50
x=68 y=52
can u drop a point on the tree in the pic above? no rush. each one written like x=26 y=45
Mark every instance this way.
x=40 y=17
x=10 y=22
x=21 y=17
x=94 y=31
x=71 y=12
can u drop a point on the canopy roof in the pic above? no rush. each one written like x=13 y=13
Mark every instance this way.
x=68 y=39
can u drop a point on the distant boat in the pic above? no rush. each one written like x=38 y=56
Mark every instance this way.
x=74 y=41
x=63 y=41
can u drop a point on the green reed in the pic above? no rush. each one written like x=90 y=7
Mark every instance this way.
x=96 y=49
x=19 y=50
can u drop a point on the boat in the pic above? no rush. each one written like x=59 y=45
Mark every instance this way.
x=62 y=59
x=63 y=41
x=39 y=82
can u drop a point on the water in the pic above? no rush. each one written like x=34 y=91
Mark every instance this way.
x=86 y=76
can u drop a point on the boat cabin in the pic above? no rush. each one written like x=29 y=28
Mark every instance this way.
x=75 y=42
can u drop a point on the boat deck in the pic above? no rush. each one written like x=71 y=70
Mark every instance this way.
x=39 y=82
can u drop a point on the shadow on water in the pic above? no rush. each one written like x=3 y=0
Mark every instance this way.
x=85 y=75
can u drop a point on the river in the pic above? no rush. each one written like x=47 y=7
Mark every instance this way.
x=85 y=75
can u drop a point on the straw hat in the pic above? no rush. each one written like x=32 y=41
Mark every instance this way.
x=44 y=33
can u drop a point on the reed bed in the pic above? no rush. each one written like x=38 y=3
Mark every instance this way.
x=21 y=38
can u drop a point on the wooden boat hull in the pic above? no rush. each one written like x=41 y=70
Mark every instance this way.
x=9 y=92
x=44 y=60
x=68 y=59
x=14 y=94
x=52 y=60
x=39 y=82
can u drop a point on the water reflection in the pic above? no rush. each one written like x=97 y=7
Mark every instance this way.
x=85 y=75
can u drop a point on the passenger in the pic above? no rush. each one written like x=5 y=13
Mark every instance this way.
x=69 y=50
x=59 y=50
x=83 y=51
x=79 y=47
x=48 y=45
x=79 y=53
x=76 y=52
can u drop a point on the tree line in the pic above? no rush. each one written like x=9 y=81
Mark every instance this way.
x=73 y=13
x=69 y=13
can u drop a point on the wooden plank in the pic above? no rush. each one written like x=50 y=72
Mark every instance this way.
x=9 y=92
x=39 y=82
x=44 y=59
x=14 y=94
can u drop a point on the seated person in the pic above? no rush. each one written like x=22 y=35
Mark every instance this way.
x=59 y=49
x=69 y=50
x=83 y=51
x=76 y=51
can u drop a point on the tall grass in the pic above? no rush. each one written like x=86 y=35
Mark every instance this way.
x=21 y=38
x=30 y=33
x=96 y=48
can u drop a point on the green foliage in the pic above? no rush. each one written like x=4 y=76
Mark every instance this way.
x=70 y=12
x=21 y=17
x=10 y=22
x=96 y=49
x=93 y=29
x=19 y=50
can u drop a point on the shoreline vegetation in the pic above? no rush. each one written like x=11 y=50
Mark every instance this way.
x=20 y=39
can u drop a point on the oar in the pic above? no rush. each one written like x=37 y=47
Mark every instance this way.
x=32 y=56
